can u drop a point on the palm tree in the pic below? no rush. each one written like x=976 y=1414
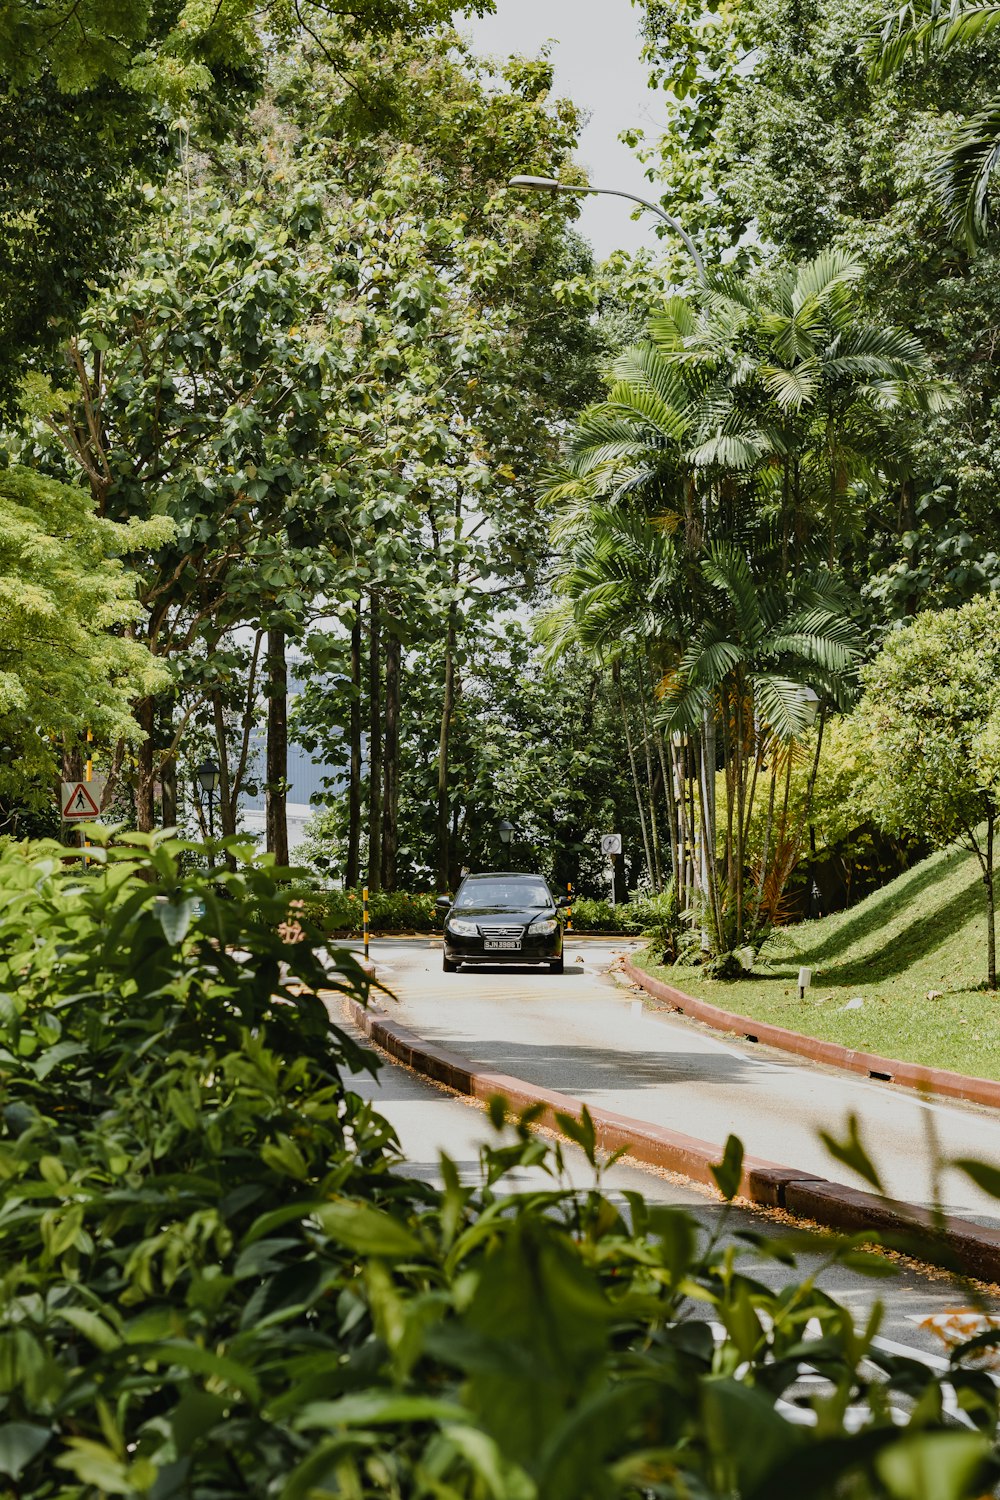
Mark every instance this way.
x=766 y=651
x=729 y=439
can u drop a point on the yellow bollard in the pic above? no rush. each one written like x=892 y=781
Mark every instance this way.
x=364 y=917
x=569 y=906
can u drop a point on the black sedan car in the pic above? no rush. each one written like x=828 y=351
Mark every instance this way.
x=502 y=918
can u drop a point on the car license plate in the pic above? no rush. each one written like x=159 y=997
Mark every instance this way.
x=492 y=943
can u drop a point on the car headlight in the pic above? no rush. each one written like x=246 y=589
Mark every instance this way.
x=545 y=927
x=462 y=928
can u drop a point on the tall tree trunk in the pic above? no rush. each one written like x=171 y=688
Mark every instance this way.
x=616 y=678
x=168 y=792
x=991 y=921
x=670 y=801
x=447 y=709
x=227 y=810
x=654 y=830
x=145 y=812
x=276 y=787
x=374 y=747
x=352 y=869
x=706 y=790
x=390 y=799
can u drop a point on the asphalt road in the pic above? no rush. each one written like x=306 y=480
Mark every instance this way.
x=920 y=1306
x=586 y=1035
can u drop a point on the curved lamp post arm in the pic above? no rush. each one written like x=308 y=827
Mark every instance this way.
x=550 y=185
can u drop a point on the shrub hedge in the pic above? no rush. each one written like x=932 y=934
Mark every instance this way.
x=338 y=912
x=218 y=1282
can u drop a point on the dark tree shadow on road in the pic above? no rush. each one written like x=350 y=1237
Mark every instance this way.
x=574 y=1070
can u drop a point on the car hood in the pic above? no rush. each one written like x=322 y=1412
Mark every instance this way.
x=499 y=915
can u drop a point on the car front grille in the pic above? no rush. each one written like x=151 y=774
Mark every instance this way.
x=500 y=932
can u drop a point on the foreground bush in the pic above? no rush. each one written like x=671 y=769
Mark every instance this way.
x=214 y=1286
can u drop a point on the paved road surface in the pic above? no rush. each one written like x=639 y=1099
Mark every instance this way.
x=585 y=1035
x=428 y=1121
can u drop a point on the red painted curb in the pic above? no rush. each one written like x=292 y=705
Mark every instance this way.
x=868 y=1064
x=954 y=1243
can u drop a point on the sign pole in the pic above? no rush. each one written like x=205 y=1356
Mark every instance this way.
x=89 y=772
x=364 y=917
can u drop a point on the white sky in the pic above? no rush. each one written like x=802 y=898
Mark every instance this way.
x=597 y=66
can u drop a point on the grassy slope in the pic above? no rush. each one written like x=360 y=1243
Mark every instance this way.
x=925 y=931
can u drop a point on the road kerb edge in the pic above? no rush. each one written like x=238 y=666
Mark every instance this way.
x=957 y=1244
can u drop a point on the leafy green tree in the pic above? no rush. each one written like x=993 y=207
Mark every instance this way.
x=696 y=503
x=966 y=169
x=779 y=143
x=929 y=721
x=466 y=522
x=69 y=659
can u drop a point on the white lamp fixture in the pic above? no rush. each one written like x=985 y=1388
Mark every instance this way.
x=811 y=709
x=506 y=832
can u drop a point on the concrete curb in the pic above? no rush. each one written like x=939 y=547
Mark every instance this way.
x=956 y=1244
x=868 y=1064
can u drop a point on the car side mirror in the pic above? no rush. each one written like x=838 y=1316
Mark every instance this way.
x=442 y=905
x=562 y=903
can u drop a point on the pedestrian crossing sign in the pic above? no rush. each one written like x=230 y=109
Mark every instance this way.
x=81 y=799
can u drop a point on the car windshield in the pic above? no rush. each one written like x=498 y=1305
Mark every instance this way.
x=501 y=894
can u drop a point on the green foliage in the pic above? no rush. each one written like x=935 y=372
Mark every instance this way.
x=389 y=911
x=911 y=951
x=773 y=120
x=215 y=1285
x=67 y=657
x=928 y=704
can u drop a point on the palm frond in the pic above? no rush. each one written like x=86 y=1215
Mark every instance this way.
x=783 y=705
x=727 y=450
x=792 y=388
x=816 y=278
x=682 y=707
x=965 y=172
x=727 y=567
x=671 y=325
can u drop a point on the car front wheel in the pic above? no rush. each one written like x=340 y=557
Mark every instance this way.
x=557 y=966
x=448 y=965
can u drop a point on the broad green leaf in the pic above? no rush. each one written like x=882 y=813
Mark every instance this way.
x=200 y=1362
x=20 y=1442
x=94 y=1328
x=729 y=1171
x=377 y=1408
x=852 y=1153
x=175 y=918
x=982 y=1173
x=935 y=1466
x=368 y=1231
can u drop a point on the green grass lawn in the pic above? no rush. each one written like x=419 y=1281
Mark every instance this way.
x=926 y=931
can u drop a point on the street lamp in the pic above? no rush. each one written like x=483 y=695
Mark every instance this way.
x=209 y=776
x=550 y=185
x=506 y=832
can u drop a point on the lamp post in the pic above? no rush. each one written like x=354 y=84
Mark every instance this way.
x=551 y=185
x=209 y=778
